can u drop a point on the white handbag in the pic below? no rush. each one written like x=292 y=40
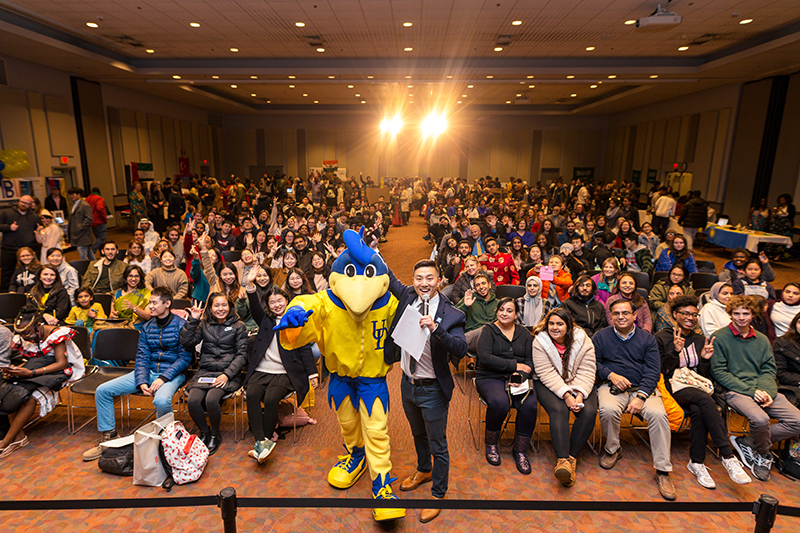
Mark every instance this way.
x=686 y=377
x=147 y=466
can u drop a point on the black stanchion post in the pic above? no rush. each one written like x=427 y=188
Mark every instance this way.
x=227 y=504
x=765 y=509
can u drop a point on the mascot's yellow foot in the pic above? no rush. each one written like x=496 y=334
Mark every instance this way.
x=382 y=490
x=346 y=472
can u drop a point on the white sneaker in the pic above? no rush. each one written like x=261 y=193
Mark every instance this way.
x=703 y=476
x=736 y=471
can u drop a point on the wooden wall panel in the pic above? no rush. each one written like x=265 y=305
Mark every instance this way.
x=536 y=157
x=194 y=158
x=787 y=155
x=639 y=144
x=509 y=154
x=39 y=159
x=671 y=138
x=170 y=148
x=290 y=139
x=572 y=152
x=552 y=144
x=525 y=149
x=203 y=140
x=234 y=144
x=608 y=162
x=277 y=150
x=657 y=150
x=61 y=125
x=251 y=159
x=117 y=156
x=186 y=141
x=704 y=150
x=479 y=149
x=315 y=148
x=156 y=146
x=130 y=137
x=592 y=154
x=143 y=137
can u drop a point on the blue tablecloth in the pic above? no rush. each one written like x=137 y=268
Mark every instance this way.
x=728 y=237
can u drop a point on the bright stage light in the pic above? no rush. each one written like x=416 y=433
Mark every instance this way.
x=434 y=125
x=393 y=125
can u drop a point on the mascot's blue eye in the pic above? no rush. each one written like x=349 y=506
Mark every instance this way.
x=350 y=270
x=369 y=271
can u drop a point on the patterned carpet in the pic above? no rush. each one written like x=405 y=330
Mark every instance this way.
x=51 y=468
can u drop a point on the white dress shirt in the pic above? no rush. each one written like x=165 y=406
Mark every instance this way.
x=424 y=367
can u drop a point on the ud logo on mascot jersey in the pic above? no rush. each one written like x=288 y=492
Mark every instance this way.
x=348 y=323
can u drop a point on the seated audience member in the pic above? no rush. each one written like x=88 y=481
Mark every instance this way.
x=545 y=243
x=26 y=272
x=744 y=366
x=151 y=236
x=51 y=360
x=535 y=260
x=603 y=248
x=518 y=252
x=752 y=283
x=629 y=367
x=50 y=295
x=225 y=280
x=155 y=254
x=636 y=257
x=582 y=254
x=556 y=291
x=168 y=275
x=67 y=273
x=223 y=355
x=132 y=301
x=105 y=275
x=531 y=306
x=607 y=279
x=320 y=272
x=263 y=284
x=505 y=355
x=682 y=349
x=49 y=236
x=528 y=238
x=501 y=265
x=448 y=254
x=587 y=311
x=734 y=269
x=273 y=371
x=781 y=313
x=677 y=252
x=669 y=236
x=760 y=317
x=564 y=363
x=159 y=370
x=136 y=256
x=86 y=310
x=456 y=264
x=649 y=239
x=627 y=290
x=465 y=280
x=677 y=276
x=288 y=261
x=480 y=307
x=713 y=315
x=297 y=283
x=664 y=319
x=786 y=349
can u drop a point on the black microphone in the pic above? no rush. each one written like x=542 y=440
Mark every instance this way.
x=425 y=299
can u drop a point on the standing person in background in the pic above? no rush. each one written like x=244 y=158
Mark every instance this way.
x=694 y=217
x=18 y=226
x=663 y=209
x=80 y=224
x=49 y=235
x=782 y=224
x=138 y=205
x=177 y=205
x=55 y=202
x=99 y=219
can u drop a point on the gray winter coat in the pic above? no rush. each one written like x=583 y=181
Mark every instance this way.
x=80 y=225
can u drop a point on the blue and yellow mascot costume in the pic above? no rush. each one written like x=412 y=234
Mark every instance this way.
x=350 y=322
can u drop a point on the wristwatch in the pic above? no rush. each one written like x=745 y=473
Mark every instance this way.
x=642 y=395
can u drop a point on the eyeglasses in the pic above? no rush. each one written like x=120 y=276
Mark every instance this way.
x=686 y=313
x=617 y=314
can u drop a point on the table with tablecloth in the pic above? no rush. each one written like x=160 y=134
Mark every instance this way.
x=730 y=237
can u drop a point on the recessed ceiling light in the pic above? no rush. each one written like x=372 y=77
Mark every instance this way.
x=349 y=86
x=612 y=76
x=234 y=86
x=304 y=94
x=269 y=101
x=450 y=77
x=629 y=22
x=531 y=86
x=408 y=24
x=498 y=48
x=408 y=77
x=150 y=51
x=458 y=102
x=590 y=48
x=489 y=77
x=370 y=77
x=290 y=77
x=215 y=77
x=300 y=24
x=573 y=95
x=593 y=86
x=518 y=95
x=363 y=101
x=745 y=21
x=320 y=49
x=530 y=77
x=410 y=86
x=176 y=77
x=291 y=86
x=599 y=83
x=516 y=23
x=234 y=50
x=463 y=96
x=194 y=24
x=411 y=101
x=252 y=94
x=508 y=101
x=410 y=95
x=570 y=77
x=407 y=49
x=683 y=48
x=654 y=76
x=316 y=101
x=357 y=95
x=470 y=86
x=522 y=83
x=92 y=24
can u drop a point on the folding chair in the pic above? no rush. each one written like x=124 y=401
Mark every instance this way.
x=10 y=304
x=476 y=432
x=514 y=291
x=642 y=280
x=81 y=265
x=229 y=256
x=657 y=276
x=703 y=280
x=105 y=300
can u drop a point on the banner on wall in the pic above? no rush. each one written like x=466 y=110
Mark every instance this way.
x=636 y=176
x=652 y=174
x=184 y=168
x=142 y=172
x=12 y=188
x=340 y=173
x=585 y=174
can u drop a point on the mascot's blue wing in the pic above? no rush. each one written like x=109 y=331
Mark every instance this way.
x=295 y=317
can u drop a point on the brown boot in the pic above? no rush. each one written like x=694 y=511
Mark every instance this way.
x=574 y=462
x=520 y=453
x=426 y=515
x=563 y=471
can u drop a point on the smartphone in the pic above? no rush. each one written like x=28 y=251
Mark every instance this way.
x=289 y=190
x=206 y=380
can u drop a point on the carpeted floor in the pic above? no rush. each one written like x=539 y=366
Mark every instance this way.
x=51 y=468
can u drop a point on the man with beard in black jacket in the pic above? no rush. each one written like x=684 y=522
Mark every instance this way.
x=587 y=312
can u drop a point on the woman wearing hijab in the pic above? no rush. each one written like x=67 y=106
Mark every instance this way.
x=713 y=315
x=781 y=313
x=531 y=305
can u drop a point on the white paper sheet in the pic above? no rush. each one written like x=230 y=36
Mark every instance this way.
x=408 y=335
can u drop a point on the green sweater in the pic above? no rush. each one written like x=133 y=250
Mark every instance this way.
x=744 y=365
x=480 y=313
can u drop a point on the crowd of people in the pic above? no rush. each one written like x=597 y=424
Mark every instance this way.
x=580 y=335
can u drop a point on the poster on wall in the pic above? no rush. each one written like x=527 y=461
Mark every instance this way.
x=340 y=173
x=585 y=174
x=12 y=188
x=636 y=176
x=652 y=174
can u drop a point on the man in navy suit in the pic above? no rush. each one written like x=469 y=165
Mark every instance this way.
x=427 y=384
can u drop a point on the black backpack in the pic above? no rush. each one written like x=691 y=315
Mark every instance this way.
x=117 y=461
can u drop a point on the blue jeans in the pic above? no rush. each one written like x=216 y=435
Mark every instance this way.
x=104 y=397
x=426 y=409
x=99 y=237
x=85 y=252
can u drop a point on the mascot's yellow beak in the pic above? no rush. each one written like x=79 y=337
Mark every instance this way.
x=359 y=292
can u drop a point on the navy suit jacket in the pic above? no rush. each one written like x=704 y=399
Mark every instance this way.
x=447 y=340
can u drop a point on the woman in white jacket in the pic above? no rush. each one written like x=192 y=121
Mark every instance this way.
x=564 y=362
x=713 y=315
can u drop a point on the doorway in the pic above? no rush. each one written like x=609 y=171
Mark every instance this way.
x=69 y=175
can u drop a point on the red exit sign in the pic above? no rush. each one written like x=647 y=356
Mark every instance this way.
x=65 y=160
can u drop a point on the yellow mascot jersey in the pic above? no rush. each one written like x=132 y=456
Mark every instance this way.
x=350 y=348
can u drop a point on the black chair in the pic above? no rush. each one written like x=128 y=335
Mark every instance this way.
x=590 y=273
x=706 y=266
x=642 y=292
x=657 y=276
x=118 y=344
x=181 y=304
x=10 y=304
x=105 y=300
x=81 y=339
x=700 y=292
x=231 y=255
x=642 y=280
x=703 y=280
x=514 y=291
x=81 y=265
